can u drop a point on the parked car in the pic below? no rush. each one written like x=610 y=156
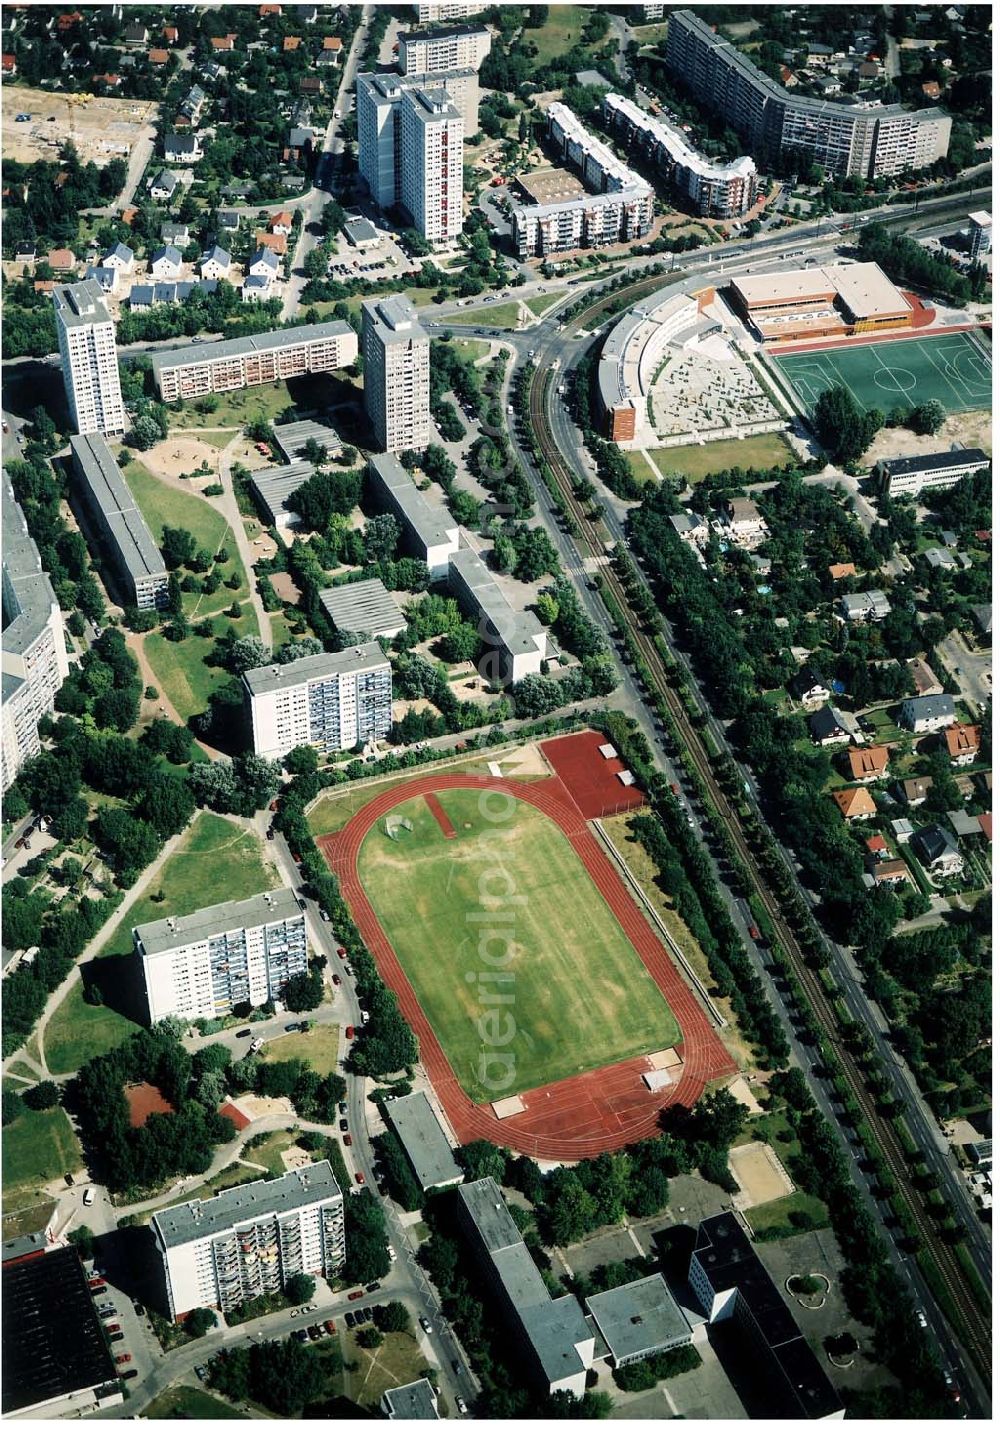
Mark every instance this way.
x=201 y=1371
x=129 y=1374
x=341 y=1107
x=291 y=1027
x=348 y=1140
x=301 y=903
x=349 y=1320
x=336 y=980
x=138 y=1307
x=392 y=1253
x=461 y=1406
x=116 y=1336
x=315 y=1333
x=255 y=1046
x=244 y=1033
x=88 y=1197
x=331 y=1327
x=341 y=952
x=426 y=1326
x=123 y=1359
x=374 y=1286
x=359 y=1177
x=349 y=1032
x=301 y=1334
x=324 y=916
x=106 y=1312
x=343 y=1124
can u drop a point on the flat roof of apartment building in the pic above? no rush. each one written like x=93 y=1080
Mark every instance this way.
x=395 y=319
x=418 y=1127
x=442 y=32
x=363 y=606
x=639 y=1318
x=163 y=935
x=431 y=527
x=517 y=629
x=81 y=303
x=192 y=1221
x=254 y=343
x=28 y=596
x=267 y=679
x=97 y=466
x=933 y=462
x=550 y=186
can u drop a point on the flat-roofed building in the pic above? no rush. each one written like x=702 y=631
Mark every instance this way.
x=203 y=965
x=293 y=437
x=639 y=1320
x=558 y=1343
x=272 y=486
x=113 y=514
x=906 y=476
x=731 y=1283
x=428 y=1151
x=364 y=608
x=332 y=701
x=517 y=639
x=550 y=186
x=450 y=47
x=865 y=606
x=428 y=532
x=35 y=663
x=250 y=1240
x=631 y=356
x=837 y=300
x=380 y=119
x=716 y=189
x=415 y=1401
x=980 y=235
x=201 y=368
x=432 y=130
x=397 y=374
x=89 y=358
x=56 y=1360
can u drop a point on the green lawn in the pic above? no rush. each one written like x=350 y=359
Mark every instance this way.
x=544 y=301
x=187 y=1402
x=37 y=1148
x=773 y=1219
x=78 y=1031
x=500 y=315
x=318 y=1048
x=236 y=409
x=561 y=31
x=473 y=348
x=766 y=449
x=398 y=1361
x=581 y=996
x=180 y=668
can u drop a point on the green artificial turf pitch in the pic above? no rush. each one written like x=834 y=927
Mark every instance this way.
x=581 y=996
x=955 y=368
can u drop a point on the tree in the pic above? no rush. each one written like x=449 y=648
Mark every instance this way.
x=303 y=992
x=303 y=760
x=247 y=653
x=928 y=418
x=167 y=804
x=845 y=430
x=178 y=547
x=381 y=536
x=42 y=1096
x=11 y=1106
x=199 y=1322
x=300 y=1289
x=145 y=432
x=393 y=1316
x=370 y=1338
x=460 y=644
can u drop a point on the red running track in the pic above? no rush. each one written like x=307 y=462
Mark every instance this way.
x=438 y=810
x=581 y=1116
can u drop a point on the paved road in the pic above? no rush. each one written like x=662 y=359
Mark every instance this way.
x=972 y=670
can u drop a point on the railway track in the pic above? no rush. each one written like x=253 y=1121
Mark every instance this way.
x=966 y=1313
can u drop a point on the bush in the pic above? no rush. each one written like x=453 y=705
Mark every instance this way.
x=41 y=1097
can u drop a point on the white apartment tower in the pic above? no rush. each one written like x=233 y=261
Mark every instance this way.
x=397 y=355
x=380 y=105
x=203 y=965
x=250 y=1240
x=452 y=48
x=89 y=358
x=34 y=642
x=331 y=701
x=432 y=133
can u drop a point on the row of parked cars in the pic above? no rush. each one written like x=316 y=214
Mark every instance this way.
x=108 y=1312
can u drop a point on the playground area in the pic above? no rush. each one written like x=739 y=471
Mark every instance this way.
x=955 y=368
x=177 y=456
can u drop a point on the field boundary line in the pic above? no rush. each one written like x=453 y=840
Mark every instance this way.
x=643 y=900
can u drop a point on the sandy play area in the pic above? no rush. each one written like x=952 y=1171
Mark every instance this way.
x=101 y=129
x=761 y=1176
x=180 y=454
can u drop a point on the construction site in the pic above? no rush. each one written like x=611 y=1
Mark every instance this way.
x=36 y=124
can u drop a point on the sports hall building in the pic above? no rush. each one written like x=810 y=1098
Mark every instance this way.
x=837 y=301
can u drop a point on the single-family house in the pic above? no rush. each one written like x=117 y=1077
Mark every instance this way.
x=877 y=847
x=164 y=186
x=290 y=44
x=854 y=804
x=327 y=59
x=108 y=81
x=223 y=44
x=301 y=140
x=902 y=830
x=924 y=714
x=165 y=263
x=26 y=252
x=62 y=260
x=268 y=12
x=333 y=42
x=281 y=223
x=741 y=523
x=306 y=14
x=105 y=278
x=176 y=233
x=840 y=570
x=135 y=35
x=868 y=764
x=255 y=288
x=828 y=727
x=215 y=262
x=229 y=221
x=937 y=851
x=865 y=606
x=275 y=243
x=930 y=89
x=121 y=257
x=808 y=688
x=158 y=58
x=193 y=103
x=170 y=35
x=310 y=85
x=182 y=149
x=890 y=871
x=962 y=743
x=9 y=65
x=924 y=680
x=913 y=791
x=691 y=528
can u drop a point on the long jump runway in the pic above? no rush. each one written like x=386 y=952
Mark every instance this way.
x=581 y=1116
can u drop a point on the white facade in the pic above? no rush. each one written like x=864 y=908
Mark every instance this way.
x=380 y=124
x=89 y=359
x=332 y=702
x=447 y=10
x=206 y=964
x=980 y=234
x=200 y=368
x=464 y=47
x=906 y=476
x=397 y=374
x=249 y=1241
x=432 y=134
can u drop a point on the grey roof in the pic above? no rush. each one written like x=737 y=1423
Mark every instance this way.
x=219 y=255
x=365 y=607
x=292 y=437
x=265 y=256
x=430 y=106
x=28 y=597
x=79 y=304
x=441 y=32
x=96 y=466
x=933 y=842
x=105 y=278
x=554 y=1328
x=425 y=522
x=165 y=180
x=394 y=319
x=930 y=707
x=415 y=1401
x=169 y=252
x=866 y=603
x=253 y=343
x=517 y=630
x=827 y=722
x=417 y=1126
x=360 y=230
x=274 y=485
x=192 y=1221
x=174 y=232
x=185 y=144
x=933 y=461
x=229 y=219
x=119 y=250
x=639 y=1318
x=300 y=136
x=257 y=280
x=144 y=295
x=268 y=678
x=162 y=935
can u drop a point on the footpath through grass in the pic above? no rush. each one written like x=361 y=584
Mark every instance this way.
x=181 y=668
x=187 y=1402
x=38 y=1147
x=510 y=888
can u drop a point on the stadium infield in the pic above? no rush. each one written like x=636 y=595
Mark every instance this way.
x=595 y=991
x=955 y=368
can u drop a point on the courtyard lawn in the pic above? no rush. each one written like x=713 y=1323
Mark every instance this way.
x=187 y=1402
x=180 y=668
x=562 y=31
x=398 y=1361
x=249 y=404
x=500 y=315
x=766 y=449
x=79 y=1031
x=38 y=1147
x=318 y=1048
x=954 y=368
x=582 y=996
x=773 y=1219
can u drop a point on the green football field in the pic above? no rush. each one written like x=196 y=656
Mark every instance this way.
x=510 y=895
x=956 y=368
